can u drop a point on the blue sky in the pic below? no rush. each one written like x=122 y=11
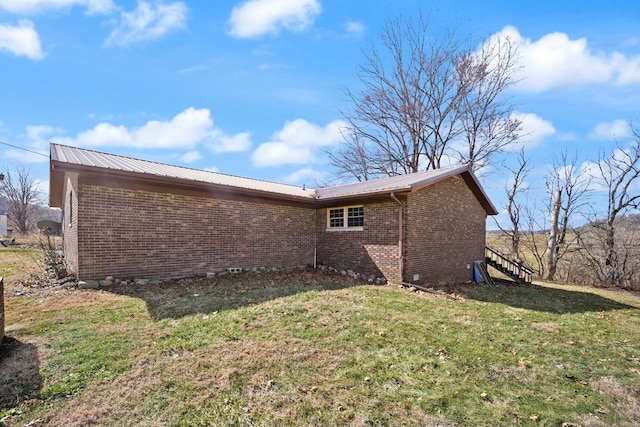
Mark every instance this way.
x=255 y=88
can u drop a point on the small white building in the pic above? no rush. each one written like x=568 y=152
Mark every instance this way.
x=3 y=225
x=4 y=213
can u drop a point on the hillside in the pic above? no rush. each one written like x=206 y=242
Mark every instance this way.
x=310 y=348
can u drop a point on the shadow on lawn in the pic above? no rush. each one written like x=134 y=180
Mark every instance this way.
x=19 y=372
x=183 y=297
x=541 y=298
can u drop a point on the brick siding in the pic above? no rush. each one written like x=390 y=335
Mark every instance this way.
x=445 y=233
x=70 y=221
x=157 y=234
x=126 y=230
x=371 y=251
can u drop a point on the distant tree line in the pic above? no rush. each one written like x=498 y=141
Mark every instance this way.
x=568 y=237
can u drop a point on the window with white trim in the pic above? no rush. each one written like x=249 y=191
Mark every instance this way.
x=345 y=218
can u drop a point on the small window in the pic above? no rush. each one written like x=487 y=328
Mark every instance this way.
x=336 y=218
x=70 y=208
x=348 y=217
x=355 y=217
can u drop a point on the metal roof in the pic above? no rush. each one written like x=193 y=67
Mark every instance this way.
x=407 y=182
x=72 y=158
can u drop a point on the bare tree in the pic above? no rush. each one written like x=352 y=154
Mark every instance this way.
x=515 y=190
x=567 y=191
x=425 y=100
x=353 y=163
x=486 y=118
x=608 y=249
x=21 y=191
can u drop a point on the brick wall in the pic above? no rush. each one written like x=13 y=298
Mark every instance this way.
x=129 y=230
x=70 y=207
x=445 y=233
x=371 y=251
x=159 y=233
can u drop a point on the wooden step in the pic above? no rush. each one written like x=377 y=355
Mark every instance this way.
x=508 y=267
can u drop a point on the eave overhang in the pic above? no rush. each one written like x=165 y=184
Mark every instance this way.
x=121 y=171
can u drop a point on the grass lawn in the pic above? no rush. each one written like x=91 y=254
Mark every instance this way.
x=309 y=348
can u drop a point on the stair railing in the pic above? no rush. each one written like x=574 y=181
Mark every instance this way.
x=512 y=268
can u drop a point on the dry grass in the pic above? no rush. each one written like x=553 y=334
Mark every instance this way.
x=309 y=348
x=17 y=263
x=19 y=372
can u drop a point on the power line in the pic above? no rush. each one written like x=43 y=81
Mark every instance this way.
x=24 y=149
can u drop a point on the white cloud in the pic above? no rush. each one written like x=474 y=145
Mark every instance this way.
x=39 y=134
x=610 y=130
x=184 y=131
x=190 y=156
x=308 y=176
x=238 y=142
x=148 y=22
x=534 y=129
x=628 y=70
x=297 y=143
x=354 y=29
x=592 y=170
x=255 y=18
x=556 y=60
x=35 y=6
x=21 y=40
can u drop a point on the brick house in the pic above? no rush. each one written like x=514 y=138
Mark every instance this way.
x=127 y=217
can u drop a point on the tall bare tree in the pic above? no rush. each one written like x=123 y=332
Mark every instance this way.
x=427 y=99
x=486 y=116
x=610 y=251
x=21 y=191
x=515 y=190
x=567 y=190
x=354 y=162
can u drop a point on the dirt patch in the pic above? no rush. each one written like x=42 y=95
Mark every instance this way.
x=19 y=372
x=42 y=285
x=627 y=399
x=545 y=326
x=188 y=296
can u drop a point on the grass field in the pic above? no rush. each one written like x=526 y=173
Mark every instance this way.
x=309 y=348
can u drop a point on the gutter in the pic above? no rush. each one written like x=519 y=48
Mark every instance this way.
x=400 y=236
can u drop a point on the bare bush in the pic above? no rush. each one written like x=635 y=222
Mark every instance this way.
x=610 y=241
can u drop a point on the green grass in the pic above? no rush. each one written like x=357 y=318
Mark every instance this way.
x=17 y=261
x=313 y=349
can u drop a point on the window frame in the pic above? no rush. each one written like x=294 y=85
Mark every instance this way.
x=345 y=218
x=70 y=209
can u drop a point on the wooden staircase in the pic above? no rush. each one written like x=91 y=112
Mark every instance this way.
x=515 y=270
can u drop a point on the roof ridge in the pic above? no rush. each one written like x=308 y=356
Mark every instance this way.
x=438 y=170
